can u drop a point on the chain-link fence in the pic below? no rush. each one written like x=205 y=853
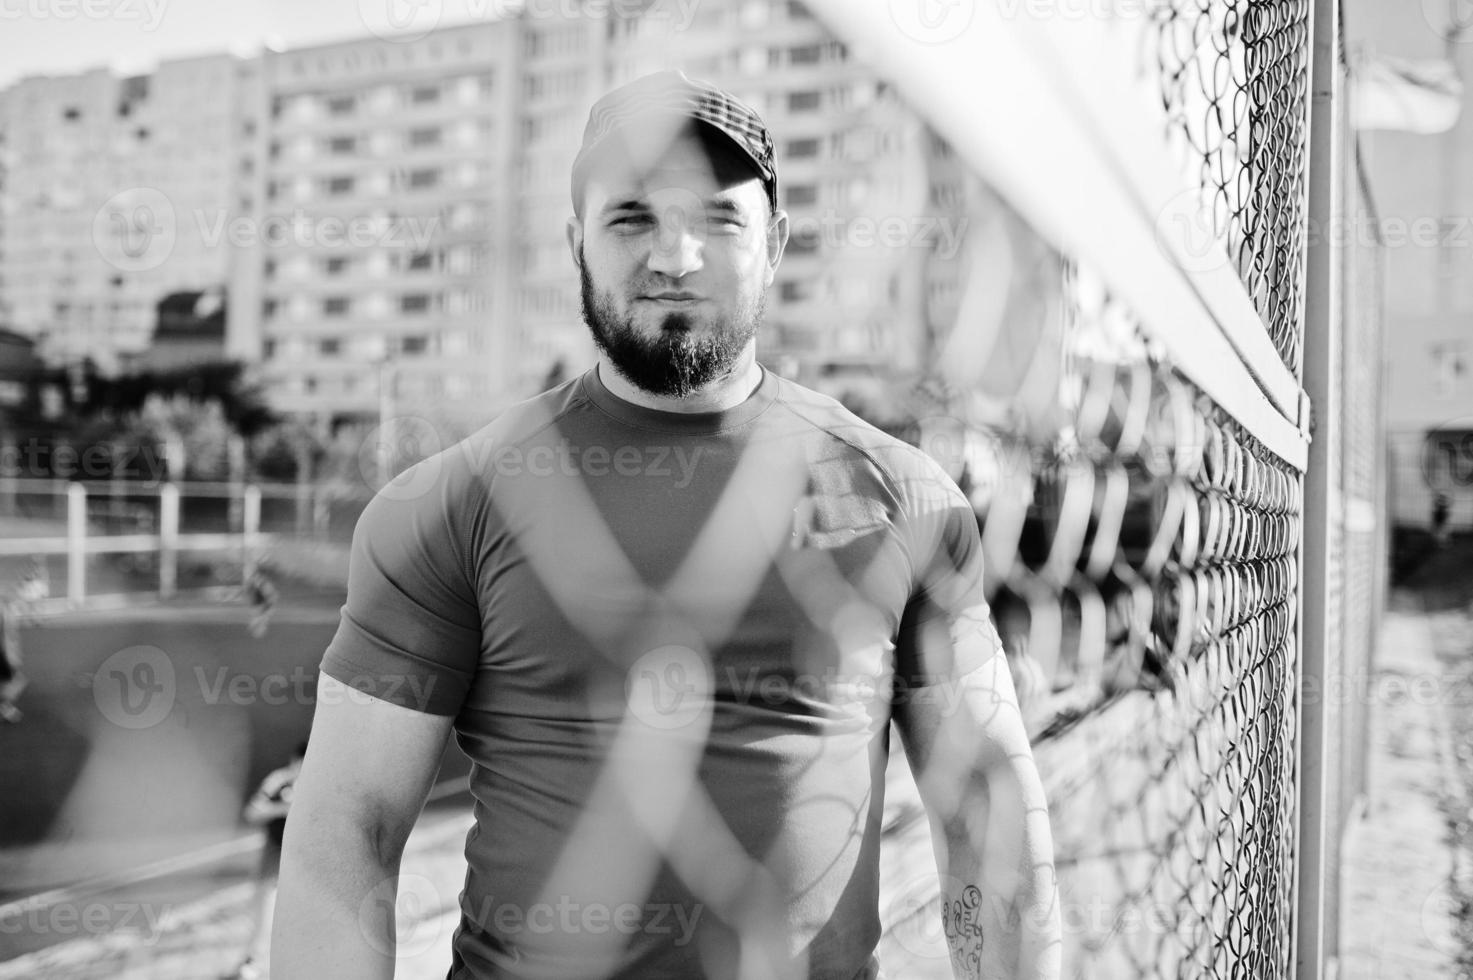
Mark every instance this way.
x=1143 y=503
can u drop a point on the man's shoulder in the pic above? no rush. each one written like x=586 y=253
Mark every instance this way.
x=902 y=460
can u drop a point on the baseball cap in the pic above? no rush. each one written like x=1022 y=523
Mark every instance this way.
x=675 y=99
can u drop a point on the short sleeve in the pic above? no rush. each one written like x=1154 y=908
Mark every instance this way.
x=947 y=590
x=410 y=628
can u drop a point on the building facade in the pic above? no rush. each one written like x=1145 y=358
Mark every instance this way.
x=388 y=215
x=114 y=193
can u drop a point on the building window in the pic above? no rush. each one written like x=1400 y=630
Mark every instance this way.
x=799 y=194
x=338 y=186
x=421 y=261
x=803 y=101
x=342 y=145
x=797 y=11
x=805 y=54
x=414 y=344
x=71 y=113
x=424 y=178
x=335 y=306
x=427 y=136
x=336 y=265
x=341 y=105
x=414 y=303
x=802 y=149
x=268 y=349
x=1451 y=364
x=424 y=94
x=794 y=290
x=268 y=308
x=329 y=346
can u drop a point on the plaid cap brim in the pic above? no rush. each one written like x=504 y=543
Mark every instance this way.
x=673 y=96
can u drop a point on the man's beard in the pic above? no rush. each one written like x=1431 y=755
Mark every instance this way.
x=675 y=363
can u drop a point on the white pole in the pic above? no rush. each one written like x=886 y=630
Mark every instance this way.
x=76 y=540
x=251 y=518
x=168 y=539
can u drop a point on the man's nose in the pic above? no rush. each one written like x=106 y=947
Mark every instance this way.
x=679 y=239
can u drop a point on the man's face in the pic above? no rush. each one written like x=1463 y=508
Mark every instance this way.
x=675 y=256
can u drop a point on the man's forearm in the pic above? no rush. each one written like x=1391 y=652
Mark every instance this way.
x=335 y=906
x=998 y=889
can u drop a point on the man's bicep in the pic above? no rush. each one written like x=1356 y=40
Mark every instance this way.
x=369 y=760
x=954 y=702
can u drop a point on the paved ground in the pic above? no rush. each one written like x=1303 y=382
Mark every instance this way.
x=1405 y=872
x=1407 y=878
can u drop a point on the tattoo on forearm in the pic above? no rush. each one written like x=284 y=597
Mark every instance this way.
x=962 y=920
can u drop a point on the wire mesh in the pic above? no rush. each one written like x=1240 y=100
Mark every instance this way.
x=1234 y=82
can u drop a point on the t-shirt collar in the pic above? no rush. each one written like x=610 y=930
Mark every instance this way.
x=687 y=422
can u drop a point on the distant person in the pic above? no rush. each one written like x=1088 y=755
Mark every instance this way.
x=261 y=593
x=36 y=584
x=12 y=679
x=267 y=808
x=1441 y=509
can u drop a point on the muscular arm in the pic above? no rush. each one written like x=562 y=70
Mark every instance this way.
x=968 y=748
x=367 y=773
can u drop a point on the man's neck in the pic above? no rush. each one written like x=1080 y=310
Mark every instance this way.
x=725 y=392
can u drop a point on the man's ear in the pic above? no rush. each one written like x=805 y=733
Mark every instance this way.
x=575 y=240
x=777 y=241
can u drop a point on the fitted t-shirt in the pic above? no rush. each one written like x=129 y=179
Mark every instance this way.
x=671 y=644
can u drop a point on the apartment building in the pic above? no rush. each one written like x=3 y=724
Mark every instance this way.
x=387 y=200
x=113 y=197
x=388 y=214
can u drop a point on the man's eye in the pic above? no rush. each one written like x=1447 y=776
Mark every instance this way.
x=627 y=220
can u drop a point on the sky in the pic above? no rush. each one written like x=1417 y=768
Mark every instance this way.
x=60 y=37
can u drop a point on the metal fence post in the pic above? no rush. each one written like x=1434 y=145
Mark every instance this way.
x=1321 y=357
x=76 y=541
